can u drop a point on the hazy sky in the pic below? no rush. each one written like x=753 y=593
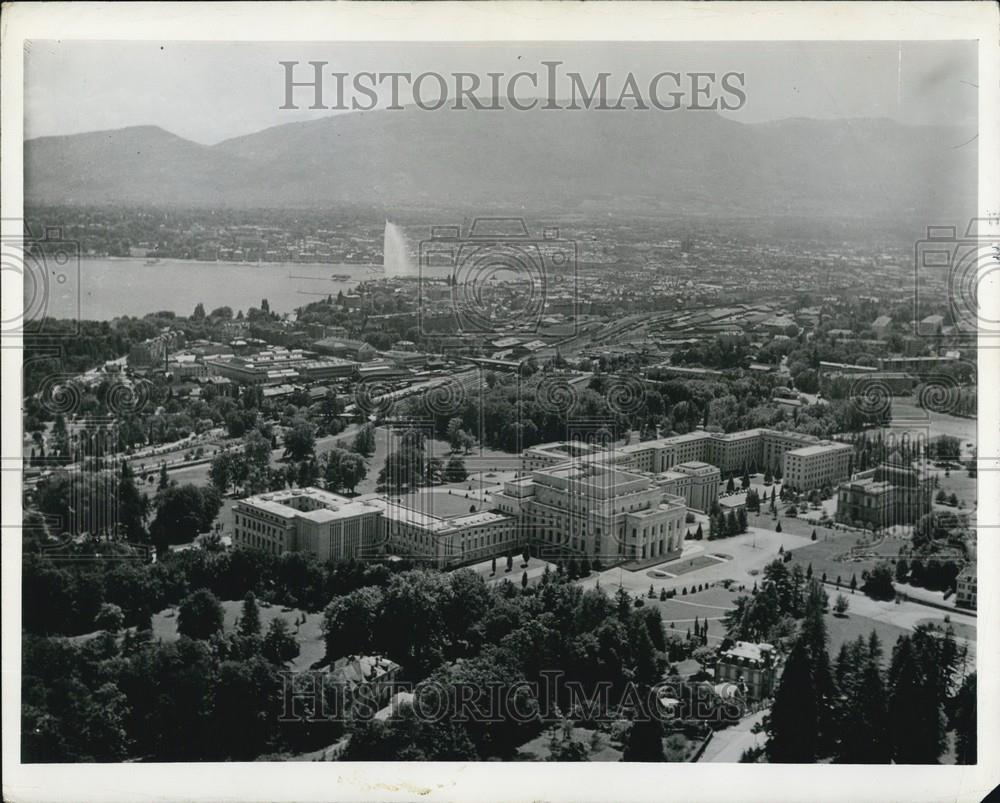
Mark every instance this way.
x=209 y=91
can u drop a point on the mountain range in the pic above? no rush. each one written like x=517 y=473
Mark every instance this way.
x=646 y=161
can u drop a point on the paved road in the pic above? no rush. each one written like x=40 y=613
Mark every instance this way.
x=728 y=745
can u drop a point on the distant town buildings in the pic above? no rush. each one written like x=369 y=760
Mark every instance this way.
x=880 y=326
x=930 y=326
x=153 y=353
x=278 y=366
x=347 y=349
x=916 y=363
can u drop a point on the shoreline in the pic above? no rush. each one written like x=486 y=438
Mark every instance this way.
x=180 y=261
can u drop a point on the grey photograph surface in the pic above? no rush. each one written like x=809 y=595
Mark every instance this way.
x=538 y=402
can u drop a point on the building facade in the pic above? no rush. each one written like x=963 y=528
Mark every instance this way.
x=310 y=520
x=750 y=666
x=884 y=496
x=332 y=527
x=732 y=453
x=696 y=482
x=812 y=467
x=965 y=587
x=596 y=510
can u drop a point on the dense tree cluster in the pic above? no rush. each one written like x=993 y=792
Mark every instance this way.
x=409 y=466
x=64 y=595
x=858 y=712
x=769 y=612
x=726 y=525
x=214 y=697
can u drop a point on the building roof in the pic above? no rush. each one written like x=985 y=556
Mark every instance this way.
x=694 y=465
x=820 y=448
x=749 y=651
x=332 y=506
x=354 y=670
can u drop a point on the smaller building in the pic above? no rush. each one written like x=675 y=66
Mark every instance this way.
x=750 y=666
x=931 y=326
x=884 y=496
x=880 y=326
x=187 y=366
x=371 y=679
x=346 y=349
x=326 y=368
x=965 y=587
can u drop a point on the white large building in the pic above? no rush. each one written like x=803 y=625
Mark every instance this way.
x=323 y=524
x=732 y=453
x=815 y=466
x=333 y=527
x=596 y=510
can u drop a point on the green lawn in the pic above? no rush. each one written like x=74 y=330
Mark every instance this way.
x=681 y=611
x=599 y=748
x=844 y=629
x=309 y=634
x=960 y=484
x=823 y=554
x=961 y=630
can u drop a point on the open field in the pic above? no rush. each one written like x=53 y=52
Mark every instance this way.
x=309 y=634
x=680 y=612
x=961 y=629
x=823 y=553
x=599 y=747
x=908 y=417
x=845 y=629
x=957 y=482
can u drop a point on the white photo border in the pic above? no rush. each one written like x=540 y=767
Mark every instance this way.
x=469 y=22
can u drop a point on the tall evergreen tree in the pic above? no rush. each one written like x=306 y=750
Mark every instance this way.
x=916 y=723
x=964 y=721
x=815 y=637
x=794 y=720
x=644 y=741
x=133 y=505
x=250 y=617
x=864 y=721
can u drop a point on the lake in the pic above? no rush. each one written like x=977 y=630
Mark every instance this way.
x=109 y=288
